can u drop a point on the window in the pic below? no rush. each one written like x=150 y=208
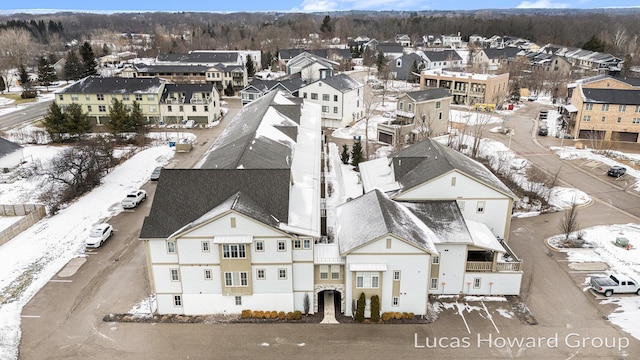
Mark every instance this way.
x=174 y=275
x=367 y=280
x=259 y=245
x=635 y=121
x=205 y=246
x=177 y=300
x=100 y=97
x=233 y=222
x=335 y=98
x=238 y=300
x=435 y=260
x=74 y=97
x=304 y=95
x=604 y=119
x=314 y=96
x=587 y=118
x=60 y=97
x=261 y=274
x=180 y=108
x=335 y=272
x=152 y=108
x=389 y=243
x=476 y=283
x=396 y=275
x=325 y=109
x=410 y=107
x=138 y=97
x=638 y=108
x=171 y=247
x=236 y=279
x=102 y=108
x=297 y=244
x=396 y=301
x=438 y=104
x=440 y=115
x=605 y=107
x=335 y=109
x=622 y=108
x=326 y=97
x=306 y=243
x=588 y=106
x=480 y=207
x=619 y=120
x=206 y=108
x=151 y=97
x=282 y=246
x=324 y=272
x=169 y=108
x=208 y=275
x=282 y=274
x=453 y=181
x=401 y=105
x=461 y=205
x=234 y=251
x=89 y=108
x=194 y=108
x=434 y=283
x=125 y=97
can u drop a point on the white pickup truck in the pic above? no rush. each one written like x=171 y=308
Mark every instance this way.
x=618 y=284
x=133 y=199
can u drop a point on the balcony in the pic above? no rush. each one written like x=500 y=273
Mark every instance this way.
x=172 y=101
x=198 y=101
x=487 y=266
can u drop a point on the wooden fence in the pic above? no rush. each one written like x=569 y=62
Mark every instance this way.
x=31 y=213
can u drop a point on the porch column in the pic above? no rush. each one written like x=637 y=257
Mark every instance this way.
x=494 y=264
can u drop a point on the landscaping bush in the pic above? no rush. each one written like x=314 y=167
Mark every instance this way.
x=266 y=315
x=397 y=315
x=28 y=94
x=297 y=315
x=386 y=316
x=375 y=309
x=405 y=315
x=360 y=308
x=257 y=314
x=282 y=315
x=245 y=314
x=289 y=315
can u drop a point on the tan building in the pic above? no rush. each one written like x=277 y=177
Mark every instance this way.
x=604 y=108
x=468 y=88
x=95 y=94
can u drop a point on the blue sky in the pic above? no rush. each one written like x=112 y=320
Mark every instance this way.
x=299 y=5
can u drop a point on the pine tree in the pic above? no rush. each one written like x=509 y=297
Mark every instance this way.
x=72 y=67
x=23 y=75
x=251 y=70
x=46 y=73
x=356 y=154
x=375 y=308
x=381 y=61
x=137 y=122
x=344 y=156
x=229 y=90
x=515 y=91
x=105 y=49
x=360 y=308
x=89 y=63
x=3 y=87
x=55 y=123
x=117 y=122
x=78 y=123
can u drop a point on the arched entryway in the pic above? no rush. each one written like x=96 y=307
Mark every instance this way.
x=338 y=297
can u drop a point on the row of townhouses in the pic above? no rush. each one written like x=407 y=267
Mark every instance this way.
x=430 y=221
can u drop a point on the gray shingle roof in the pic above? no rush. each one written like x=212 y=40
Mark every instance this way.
x=428 y=159
x=170 y=69
x=612 y=96
x=187 y=90
x=7 y=147
x=373 y=215
x=428 y=94
x=200 y=57
x=185 y=195
x=504 y=53
x=342 y=82
x=114 y=85
x=444 y=218
x=445 y=55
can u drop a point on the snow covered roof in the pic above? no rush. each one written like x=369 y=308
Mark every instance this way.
x=483 y=237
x=444 y=218
x=200 y=57
x=327 y=254
x=114 y=85
x=342 y=82
x=377 y=174
x=428 y=94
x=7 y=147
x=374 y=215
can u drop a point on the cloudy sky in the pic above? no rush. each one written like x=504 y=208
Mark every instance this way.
x=299 y=5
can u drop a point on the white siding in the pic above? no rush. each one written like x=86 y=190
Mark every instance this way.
x=244 y=226
x=380 y=247
x=191 y=251
x=503 y=283
x=219 y=304
x=158 y=252
x=453 y=260
x=162 y=279
x=194 y=282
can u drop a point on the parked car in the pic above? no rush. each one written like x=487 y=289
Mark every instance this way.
x=617 y=171
x=618 y=284
x=533 y=97
x=133 y=199
x=518 y=164
x=99 y=235
x=543 y=131
x=155 y=175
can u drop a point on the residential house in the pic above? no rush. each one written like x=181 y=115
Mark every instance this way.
x=442 y=59
x=187 y=74
x=311 y=67
x=390 y=51
x=95 y=95
x=419 y=114
x=494 y=59
x=468 y=88
x=407 y=67
x=452 y=41
x=341 y=99
x=182 y=102
x=604 y=108
x=260 y=87
x=403 y=39
x=342 y=56
x=249 y=244
x=432 y=41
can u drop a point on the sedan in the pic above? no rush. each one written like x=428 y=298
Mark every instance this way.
x=99 y=235
x=617 y=171
x=155 y=175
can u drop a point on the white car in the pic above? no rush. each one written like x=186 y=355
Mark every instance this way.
x=133 y=199
x=99 y=235
x=518 y=164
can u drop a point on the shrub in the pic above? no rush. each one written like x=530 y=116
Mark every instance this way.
x=375 y=308
x=28 y=94
x=360 y=308
x=245 y=314
x=397 y=315
x=258 y=314
x=274 y=314
x=412 y=316
x=289 y=315
x=386 y=316
x=297 y=315
x=282 y=315
x=405 y=315
x=266 y=315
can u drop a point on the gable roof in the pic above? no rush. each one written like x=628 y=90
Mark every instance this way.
x=201 y=57
x=428 y=94
x=373 y=215
x=305 y=58
x=390 y=48
x=611 y=96
x=429 y=159
x=188 y=90
x=185 y=195
x=342 y=82
x=113 y=85
x=502 y=53
x=252 y=140
x=444 y=218
x=7 y=147
x=444 y=55
x=173 y=69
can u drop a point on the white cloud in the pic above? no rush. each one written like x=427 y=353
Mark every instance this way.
x=541 y=4
x=328 y=5
x=318 y=5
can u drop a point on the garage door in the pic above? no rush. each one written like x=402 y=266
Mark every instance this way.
x=591 y=134
x=624 y=136
x=386 y=138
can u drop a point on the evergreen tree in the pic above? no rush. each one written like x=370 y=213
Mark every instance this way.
x=229 y=90
x=326 y=28
x=3 y=87
x=46 y=73
x=344 y=156
x=381 y=62
x=360 y=308
x=251 y=70
x=77 y=122
x=375 y=308
x=105 y=49
x=117 y=122
x=137 y=122
x=55 y=123
x=626 y=65
x=72 y=68
x=356 y=153
x=89 y=64
x=415 y=69
x=515 y=91
x=594 y=44
x=23 y=75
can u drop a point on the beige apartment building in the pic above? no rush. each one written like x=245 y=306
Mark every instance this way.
x=468 y=88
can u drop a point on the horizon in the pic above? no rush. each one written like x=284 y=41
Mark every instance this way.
x=40 y=7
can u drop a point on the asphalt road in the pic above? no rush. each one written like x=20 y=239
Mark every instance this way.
x=64 y=320
x=25 y=113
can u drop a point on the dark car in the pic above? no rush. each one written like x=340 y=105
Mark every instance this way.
x=617 y=171
x=155 y=175
x=543 y=131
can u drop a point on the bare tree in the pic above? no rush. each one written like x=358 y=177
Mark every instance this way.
x=478 y=129
x=368 y=105
x=17 y=45
x=569 y=222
